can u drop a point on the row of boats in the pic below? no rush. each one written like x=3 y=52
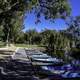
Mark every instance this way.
x=32 y=65
x=40 y=57
x=53 y=67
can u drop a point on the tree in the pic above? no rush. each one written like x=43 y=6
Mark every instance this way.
x=37 y=39
x=16 y=30
x=11 y=9
x=46 y=35
x=30 y=36
x=52 y=9
x=74 y=29
x=1 y=33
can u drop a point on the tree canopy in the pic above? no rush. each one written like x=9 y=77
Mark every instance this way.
x=74 y=27
x=49 y=8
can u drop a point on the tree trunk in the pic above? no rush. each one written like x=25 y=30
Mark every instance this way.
x=7 y=40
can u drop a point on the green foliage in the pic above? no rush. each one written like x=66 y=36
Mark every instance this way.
x=32 y=37
x=60 y=54
x=20 y=38
x=2 y=44
x=12 y=13
x=74 y=27
x=52 y=9
x=1 y=33
x=75 y=53
x=55 y=39
x=46 y=35
x=52 y=40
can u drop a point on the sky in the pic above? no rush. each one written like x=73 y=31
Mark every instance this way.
x=59 y=24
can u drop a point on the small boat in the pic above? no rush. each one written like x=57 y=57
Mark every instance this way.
x=71 y=75
x=31 y=53
x=40 y=58
x=61 y=73
x=46 y=59
x=36 y=63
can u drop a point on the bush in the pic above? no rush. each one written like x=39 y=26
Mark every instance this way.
x=75 y=53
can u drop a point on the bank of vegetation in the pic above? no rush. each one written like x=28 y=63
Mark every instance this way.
x=12 y=14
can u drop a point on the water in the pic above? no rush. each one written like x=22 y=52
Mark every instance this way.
x=68 y=70
x=65 y=71
x=25 y=70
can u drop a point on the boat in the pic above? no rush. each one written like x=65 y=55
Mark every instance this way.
x=34 y=52
x=46 y=60
x=69 y=74
x=40 y=58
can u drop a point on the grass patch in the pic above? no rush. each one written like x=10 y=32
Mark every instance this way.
x=2 y=44
x=28 y=46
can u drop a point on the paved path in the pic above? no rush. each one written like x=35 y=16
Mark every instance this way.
x=20 y=54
